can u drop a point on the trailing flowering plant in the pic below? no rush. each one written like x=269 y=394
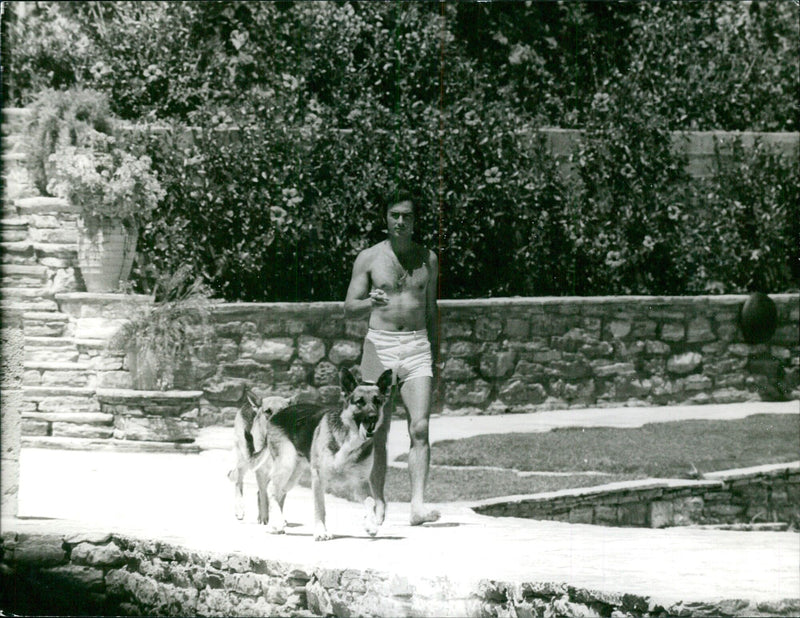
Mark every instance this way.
x=106 y=181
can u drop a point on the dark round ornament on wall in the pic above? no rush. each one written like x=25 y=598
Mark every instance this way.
x=758 y=318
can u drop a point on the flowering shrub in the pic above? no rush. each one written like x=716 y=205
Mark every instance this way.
x=105 y=181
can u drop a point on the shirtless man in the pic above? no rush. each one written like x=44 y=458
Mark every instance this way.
x=395 y=282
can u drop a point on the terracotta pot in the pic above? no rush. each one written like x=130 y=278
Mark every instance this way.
x=105 y=254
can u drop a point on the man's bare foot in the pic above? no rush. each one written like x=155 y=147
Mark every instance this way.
x=380 y=511
x=425 y=517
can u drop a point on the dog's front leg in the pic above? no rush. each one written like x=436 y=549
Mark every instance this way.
x=363 y=493
x=262 y=480
x=318 y=488
x=237 y=476
x=277 y=524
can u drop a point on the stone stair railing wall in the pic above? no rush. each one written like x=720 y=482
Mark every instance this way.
x=500 y=355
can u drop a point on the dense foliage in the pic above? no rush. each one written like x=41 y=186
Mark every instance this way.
x=311 y=116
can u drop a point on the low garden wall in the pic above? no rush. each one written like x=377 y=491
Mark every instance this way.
x=111 y=574
x=770 y=494
x=498 y=356
x=513 y=355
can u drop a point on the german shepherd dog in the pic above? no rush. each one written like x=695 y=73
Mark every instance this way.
x=250 y=439
x=336 y=443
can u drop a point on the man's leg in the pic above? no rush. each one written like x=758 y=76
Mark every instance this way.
x=416 y=394
x=378 y=477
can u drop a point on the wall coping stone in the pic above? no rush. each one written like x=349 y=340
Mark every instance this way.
x=712 y=480
x=514 y=301
x=766 y=470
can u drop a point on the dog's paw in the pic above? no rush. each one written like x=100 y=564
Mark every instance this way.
x=321 y=533
x=370 y=526
x=263 y=520
x=276 y=529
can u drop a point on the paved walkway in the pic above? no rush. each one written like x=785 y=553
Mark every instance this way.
x=187 y=499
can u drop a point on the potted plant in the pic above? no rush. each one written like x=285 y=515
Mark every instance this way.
x=116 y=192
x=158 y=337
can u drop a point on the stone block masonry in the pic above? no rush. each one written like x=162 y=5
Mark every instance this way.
x=766 y=496
x=498 y=356
x=512 y=355
x=111 y=574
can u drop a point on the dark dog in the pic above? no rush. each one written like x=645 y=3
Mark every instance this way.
x=337 y=443
x=250 y=440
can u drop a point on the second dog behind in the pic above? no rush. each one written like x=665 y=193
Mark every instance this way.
x=250 y=440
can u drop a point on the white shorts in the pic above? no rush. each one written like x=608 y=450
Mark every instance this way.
x=406 y=353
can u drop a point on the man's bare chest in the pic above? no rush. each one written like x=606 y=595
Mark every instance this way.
x=393 y=275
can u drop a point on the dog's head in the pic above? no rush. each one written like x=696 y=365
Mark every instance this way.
x=364 y=402
x=265 y=405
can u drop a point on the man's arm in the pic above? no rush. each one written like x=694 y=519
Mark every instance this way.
x=431 y=308
x=358 y=301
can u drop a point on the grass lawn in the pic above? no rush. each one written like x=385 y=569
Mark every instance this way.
x=659 y=450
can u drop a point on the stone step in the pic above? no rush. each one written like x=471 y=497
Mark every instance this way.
x=43 y=328
x=35 y=393
x=13 y=229
x=50 y=350
x=26 y=293
x=82 y=418
x=57 y=366
x=54 y=236
x=77 y=375
x=55 y=250
x=45 y=324
x=26 y=306
x=44 y=205
x=22 y=248
x=49 y=342
x=32 y=271
x=61 y=398
x=14 y=158
x=90 y=444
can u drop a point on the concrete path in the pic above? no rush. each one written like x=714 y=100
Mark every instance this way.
x=187 y=499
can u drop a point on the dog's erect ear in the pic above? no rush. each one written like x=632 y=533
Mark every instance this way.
x=253 y=399
x=347 y=381
x=385 y=381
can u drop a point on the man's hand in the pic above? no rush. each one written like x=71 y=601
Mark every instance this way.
x=379 y=297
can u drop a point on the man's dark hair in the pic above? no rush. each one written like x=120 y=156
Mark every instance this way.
x=400 y=197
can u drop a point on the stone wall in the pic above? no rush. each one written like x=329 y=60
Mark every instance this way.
x=10 y=410
x=769 y=495
x=513 y=355
x=499 y=356
x=109 y=574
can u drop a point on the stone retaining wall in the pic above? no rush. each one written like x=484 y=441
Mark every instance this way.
x=768 y=494
x=513 y=355
x=109 y=574
x=499 y=356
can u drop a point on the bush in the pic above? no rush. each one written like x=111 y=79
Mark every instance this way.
x=747 y=222
x=62 y=118
x=338 y=106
